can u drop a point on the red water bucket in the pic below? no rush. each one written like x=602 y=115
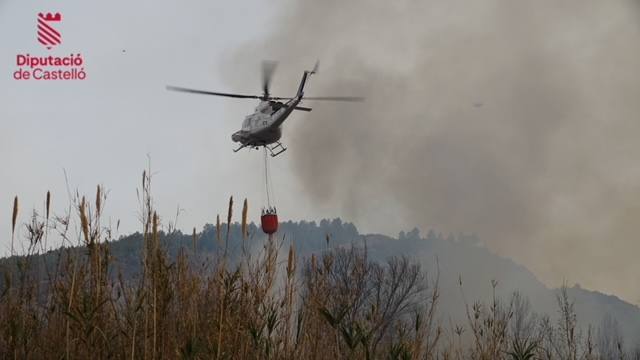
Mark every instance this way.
x=269 y=223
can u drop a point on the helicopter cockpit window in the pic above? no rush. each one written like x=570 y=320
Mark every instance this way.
x=266 y=110
x=246 y=123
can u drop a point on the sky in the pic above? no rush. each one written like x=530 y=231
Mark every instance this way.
x=513 y=120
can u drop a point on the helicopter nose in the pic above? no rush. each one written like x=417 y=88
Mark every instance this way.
x=235 y=137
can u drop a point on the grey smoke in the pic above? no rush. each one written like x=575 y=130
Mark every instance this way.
x=546 y=170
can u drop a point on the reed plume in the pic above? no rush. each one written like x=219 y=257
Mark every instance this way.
x=48 y=204
x=84 y=221
x=245 y=209
x=291 y=261
x=230 y=212
x=98 y=200
x=14 y=218
x=47 y=212
x=229 y=215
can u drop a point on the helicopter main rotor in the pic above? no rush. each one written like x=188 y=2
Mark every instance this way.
x=268 y=69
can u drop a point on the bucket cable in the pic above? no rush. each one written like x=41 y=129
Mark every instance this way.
x=272 y=193
x=266 y=177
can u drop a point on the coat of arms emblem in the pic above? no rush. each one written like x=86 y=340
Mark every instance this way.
x=47 y=33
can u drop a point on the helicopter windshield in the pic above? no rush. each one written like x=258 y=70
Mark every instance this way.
x=246 y=124
x=264 y=107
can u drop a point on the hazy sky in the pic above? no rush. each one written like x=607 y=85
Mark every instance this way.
x=516 y=120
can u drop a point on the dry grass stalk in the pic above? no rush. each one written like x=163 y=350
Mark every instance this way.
x=218 y=239
x=154 y=230
x=195 y=238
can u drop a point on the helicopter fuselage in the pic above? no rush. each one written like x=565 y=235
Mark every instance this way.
x=263 y=126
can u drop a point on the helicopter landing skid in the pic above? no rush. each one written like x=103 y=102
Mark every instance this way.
x=240 y=148
x=276 y=149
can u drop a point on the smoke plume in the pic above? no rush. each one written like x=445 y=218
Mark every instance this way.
x=515 y=120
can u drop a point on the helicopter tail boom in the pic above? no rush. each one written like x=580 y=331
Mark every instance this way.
x=305 y=76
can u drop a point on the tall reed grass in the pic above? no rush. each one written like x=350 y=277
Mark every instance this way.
x=268 y=305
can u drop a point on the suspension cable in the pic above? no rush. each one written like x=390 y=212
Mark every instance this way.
x=266 y=177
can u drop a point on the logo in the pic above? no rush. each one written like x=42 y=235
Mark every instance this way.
x=47 y=34
x=49 y=66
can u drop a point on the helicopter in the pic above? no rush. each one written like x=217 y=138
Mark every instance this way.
x=263 y=128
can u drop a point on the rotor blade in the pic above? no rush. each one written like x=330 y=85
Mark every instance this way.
x=334 y=98
x=301 y=108
x=204 y=92
x=323 y=98
x=268 y=68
